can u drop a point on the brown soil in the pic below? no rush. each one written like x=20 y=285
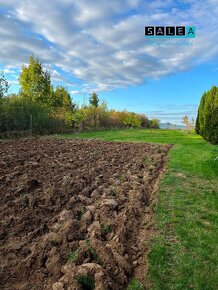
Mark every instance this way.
x=76 y=213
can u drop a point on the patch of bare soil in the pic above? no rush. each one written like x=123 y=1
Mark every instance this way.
x=75 y=213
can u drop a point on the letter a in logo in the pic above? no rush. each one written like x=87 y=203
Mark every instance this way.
x=190 y=31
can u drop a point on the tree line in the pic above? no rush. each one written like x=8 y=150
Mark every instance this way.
x=207 y=118
x=52 y=109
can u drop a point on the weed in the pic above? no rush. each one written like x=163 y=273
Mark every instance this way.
x=93 y=252
x=73 y=256
x=113 y=190
x=86 y=281
x=122 y=178
x=148 y=161
x=81 y=212
x=106 y=229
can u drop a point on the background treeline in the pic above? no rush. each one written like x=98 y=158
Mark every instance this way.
x=207 y=118
x=40 y=108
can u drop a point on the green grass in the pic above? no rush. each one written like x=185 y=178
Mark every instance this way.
x=93 y=252
x=184 y=252
x=106 y=229
x=135 y=285
x=73 y=256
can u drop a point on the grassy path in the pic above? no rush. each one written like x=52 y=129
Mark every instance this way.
x=184 y=252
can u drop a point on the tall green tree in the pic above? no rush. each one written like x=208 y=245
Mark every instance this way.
x=61 y=99
x=197 y=124
x=94 y=100
x=201 y=113
x=35 y=82
x=4 y=85
x=208 y=116
x=94 y=103
x=210 y=131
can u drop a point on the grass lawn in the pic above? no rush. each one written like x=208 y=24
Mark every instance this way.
x=184 y=252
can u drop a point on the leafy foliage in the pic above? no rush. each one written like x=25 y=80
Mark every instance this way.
x=207 y=124
x=197 y=124
x=35 y=83
x=61 y=99
x=15 y=114
x=94 y=100
x=130 y=119
x=154 y=123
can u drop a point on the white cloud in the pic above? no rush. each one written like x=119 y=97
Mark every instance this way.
x=74 y=92
x=102 y=42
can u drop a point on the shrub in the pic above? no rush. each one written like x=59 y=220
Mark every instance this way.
x=207 y=120
x=15 y=114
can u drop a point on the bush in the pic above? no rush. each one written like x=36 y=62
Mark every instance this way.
x=154 y=123
x=15 y=115
x=207 y=120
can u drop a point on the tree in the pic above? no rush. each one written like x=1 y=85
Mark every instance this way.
x=189 y=123
x=144 y=120
x=154 y=123
x=130 y=119
x=197 y=124
x=185 y=121
x=94 y=100
x=61 y=99
x=209 y=130
x=4 y=85
x=207 y=124
x=201 y=119
x=35 y=83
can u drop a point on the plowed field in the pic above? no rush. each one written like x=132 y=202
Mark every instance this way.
x=76 y=214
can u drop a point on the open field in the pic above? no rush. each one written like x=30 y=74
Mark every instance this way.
x=183 y=254
x=76 y=214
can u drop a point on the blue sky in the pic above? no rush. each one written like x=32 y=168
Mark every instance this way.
x=99 y=45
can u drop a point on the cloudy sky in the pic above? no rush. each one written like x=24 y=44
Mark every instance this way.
x=99 y=45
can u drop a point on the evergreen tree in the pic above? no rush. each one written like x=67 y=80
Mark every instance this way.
x=208 y=116
x=94 y=100
x=197 y=125
x=201 y=114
